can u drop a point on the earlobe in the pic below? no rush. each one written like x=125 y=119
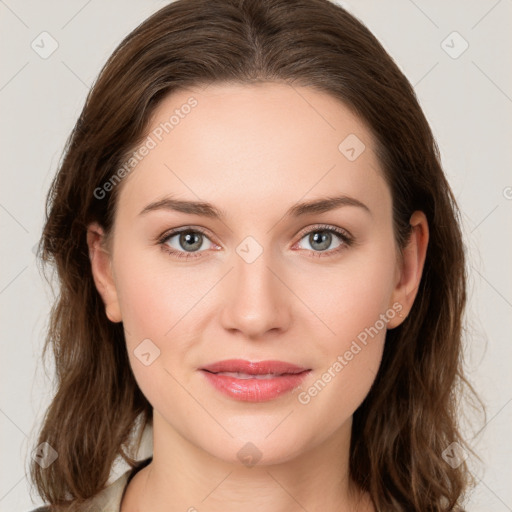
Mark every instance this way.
x=102 y=271
x=413 y=261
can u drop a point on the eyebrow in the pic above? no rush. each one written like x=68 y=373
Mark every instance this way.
x=205 y=209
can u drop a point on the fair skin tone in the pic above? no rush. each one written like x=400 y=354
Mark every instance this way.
x=254 y=151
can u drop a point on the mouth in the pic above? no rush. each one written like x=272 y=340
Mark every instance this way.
x=245 y=376
x=251 y=369
x=254 y=381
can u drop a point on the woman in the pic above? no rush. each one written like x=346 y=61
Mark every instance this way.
x=260 y=258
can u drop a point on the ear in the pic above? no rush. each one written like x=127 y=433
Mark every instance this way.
x=411 y=268
x=101 y=266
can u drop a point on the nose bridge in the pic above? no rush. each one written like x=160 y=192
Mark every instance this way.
x=256 y=301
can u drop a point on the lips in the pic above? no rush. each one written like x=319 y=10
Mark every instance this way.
x=254 y=381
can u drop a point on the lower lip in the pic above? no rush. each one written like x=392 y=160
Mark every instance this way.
x=255 y=390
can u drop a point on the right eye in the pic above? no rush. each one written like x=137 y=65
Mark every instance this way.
x=182 y=243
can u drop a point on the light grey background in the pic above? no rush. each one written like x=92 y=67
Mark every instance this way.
x=468 y=101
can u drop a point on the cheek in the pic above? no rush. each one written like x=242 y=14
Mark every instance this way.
x=332 y=395
x=154 y=296
x=354 y=303
x=350 y=297
x=358 y=301
x=156 y=306
x=351 y=355
x=165 y=302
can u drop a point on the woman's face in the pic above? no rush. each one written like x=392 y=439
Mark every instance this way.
x=265 y=280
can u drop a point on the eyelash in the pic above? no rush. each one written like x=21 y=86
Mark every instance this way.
x=346 y=239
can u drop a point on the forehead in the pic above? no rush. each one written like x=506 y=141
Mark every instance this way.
x=262 y=144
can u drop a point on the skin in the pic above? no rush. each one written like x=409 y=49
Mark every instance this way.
x=254 y=151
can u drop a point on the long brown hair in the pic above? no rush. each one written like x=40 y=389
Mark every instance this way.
x=408 y=418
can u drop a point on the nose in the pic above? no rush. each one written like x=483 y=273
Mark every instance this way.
x=256 y=301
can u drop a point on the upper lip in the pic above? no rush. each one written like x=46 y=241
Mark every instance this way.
x=254 y=368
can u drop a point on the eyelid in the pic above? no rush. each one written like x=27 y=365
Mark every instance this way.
x=176 y=231
x=343 y=233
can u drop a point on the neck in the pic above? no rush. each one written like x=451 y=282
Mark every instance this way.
x=183 y=476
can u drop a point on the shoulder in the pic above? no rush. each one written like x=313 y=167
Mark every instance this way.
x=109 y=499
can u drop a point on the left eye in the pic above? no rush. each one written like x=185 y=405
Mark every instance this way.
x=321 y=239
